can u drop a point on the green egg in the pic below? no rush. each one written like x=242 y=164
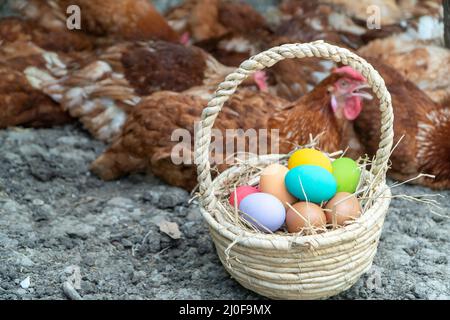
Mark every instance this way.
x=347 y=174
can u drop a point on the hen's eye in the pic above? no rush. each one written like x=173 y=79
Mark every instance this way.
x=344 y=84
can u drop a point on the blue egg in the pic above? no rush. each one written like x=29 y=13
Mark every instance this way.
x=311 y=183
x=264 y=211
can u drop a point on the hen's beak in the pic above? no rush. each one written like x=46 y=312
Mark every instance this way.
x=362 y=94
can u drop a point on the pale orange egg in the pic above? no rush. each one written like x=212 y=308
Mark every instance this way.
x=305 y=216
x=344 y=207
x=272 y=182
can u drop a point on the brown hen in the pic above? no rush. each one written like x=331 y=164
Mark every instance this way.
x=351 y=122
x=148 y=139
x=423 y=124
x=354 y=123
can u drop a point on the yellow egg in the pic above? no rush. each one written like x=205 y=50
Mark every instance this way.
x=272 y=182
x=311 y=157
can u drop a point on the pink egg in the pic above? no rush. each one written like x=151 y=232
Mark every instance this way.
x=241 y=192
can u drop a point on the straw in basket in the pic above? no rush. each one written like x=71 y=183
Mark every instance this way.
x=289 y=266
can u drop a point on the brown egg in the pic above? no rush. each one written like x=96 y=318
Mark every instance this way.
x=344 y=206
x=312 y=217
x=272 y=182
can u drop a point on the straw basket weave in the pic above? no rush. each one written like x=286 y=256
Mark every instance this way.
x=286 y=266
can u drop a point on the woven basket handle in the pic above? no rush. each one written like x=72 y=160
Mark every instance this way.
x=268 y=58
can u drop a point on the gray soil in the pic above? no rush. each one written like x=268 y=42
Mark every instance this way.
x=59 y=223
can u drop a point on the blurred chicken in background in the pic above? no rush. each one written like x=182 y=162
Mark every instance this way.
x=422 y=125
x=145 y=143
x=120 y=19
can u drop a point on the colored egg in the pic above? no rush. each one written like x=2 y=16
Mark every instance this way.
x=240 y=193
x=311 y=157
x=306 y=217
x=347 y=174
x=310 y=183
x=264 y=211
x=272 y=182
x=343 y=207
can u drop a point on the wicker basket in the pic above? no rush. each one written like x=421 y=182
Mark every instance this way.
x=290 y=266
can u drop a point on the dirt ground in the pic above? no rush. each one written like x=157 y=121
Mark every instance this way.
x=59 y=223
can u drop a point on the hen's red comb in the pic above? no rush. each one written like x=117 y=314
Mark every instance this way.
x=349 y=71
